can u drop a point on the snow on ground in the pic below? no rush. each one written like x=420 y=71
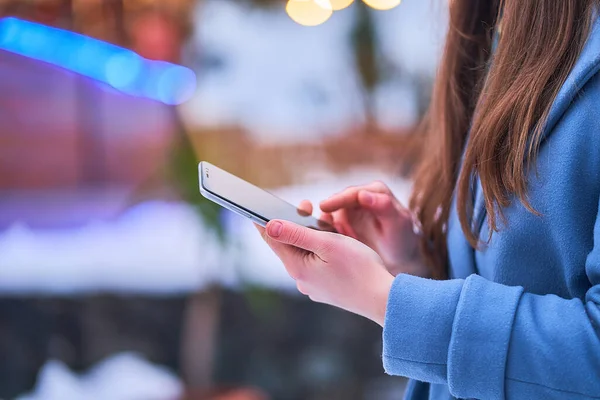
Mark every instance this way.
x=154 y=248
x=125 y=376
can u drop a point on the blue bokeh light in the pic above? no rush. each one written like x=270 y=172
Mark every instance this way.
x=120 y=68
x=172 y=84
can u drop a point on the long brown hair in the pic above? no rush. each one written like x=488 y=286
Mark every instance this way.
x=500 y=99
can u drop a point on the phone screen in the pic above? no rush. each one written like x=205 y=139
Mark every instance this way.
x=253 y=199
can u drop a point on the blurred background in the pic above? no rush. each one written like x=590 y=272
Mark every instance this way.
x=117 y=280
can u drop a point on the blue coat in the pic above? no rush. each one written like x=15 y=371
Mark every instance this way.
x=521 y=318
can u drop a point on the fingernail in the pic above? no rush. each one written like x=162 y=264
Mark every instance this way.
x=275 y=229
x=369 y=199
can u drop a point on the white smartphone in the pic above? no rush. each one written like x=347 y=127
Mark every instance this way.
x=250 y=201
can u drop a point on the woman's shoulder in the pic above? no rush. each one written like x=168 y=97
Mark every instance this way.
x=582 y=87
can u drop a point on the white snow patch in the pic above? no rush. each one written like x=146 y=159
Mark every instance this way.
x=125 y=376
x=156 y=248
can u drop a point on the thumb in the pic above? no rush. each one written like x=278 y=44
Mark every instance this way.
x=381 y=204
x=286 y=232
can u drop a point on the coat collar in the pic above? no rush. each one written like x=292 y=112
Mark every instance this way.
x=587 y=65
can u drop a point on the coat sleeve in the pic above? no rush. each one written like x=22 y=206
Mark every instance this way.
x=490 y=341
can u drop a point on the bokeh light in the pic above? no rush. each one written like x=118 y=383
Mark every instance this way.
x=175 y=85
x=309 y=12
x=106 y=63
x=123 y=69
x=340 y=4
x=382 y=4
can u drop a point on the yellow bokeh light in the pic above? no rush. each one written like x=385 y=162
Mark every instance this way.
x=309 y=12
x=382 y=4
x=340 y=4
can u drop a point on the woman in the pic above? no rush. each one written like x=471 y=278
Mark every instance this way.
x=506 y=204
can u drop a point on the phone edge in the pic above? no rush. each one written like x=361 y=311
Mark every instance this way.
x=241 y=211
x=227 y=204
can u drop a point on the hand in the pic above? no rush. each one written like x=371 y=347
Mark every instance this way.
x=331 y=268
x=372 y=215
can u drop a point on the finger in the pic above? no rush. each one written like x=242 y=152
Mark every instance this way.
x=306 y=207
x=348 y=198
x=301 y=288
x=260 y=230
x=327 y=217
x=336 y=221
x=381 y=204
x=342 y=223
x=288 y=233
x=287 y=254
x=345 y=199
x=291 y=257
x=325 y=223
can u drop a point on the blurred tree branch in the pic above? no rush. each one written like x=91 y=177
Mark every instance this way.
x=364 y=43
x=182 y=171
